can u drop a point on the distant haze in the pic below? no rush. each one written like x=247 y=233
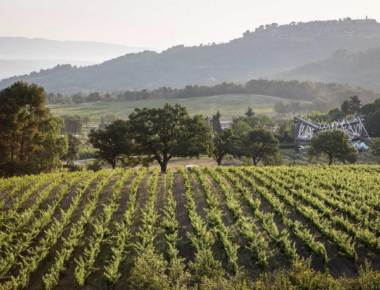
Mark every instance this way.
x=164 y=23
x=32 y=49
x=19 y=55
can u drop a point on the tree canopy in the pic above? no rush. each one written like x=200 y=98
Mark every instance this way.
x=351 y=106
x=375 y=148
x=164 y=133
x=258 y=144
x=224 y=143
x=112 y=142
x=72 y=124
x=335 y=145
x=29 y=137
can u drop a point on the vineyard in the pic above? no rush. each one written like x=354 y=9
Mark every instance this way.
x=207 y=228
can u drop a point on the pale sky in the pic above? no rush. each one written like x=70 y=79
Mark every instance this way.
x=163 y=23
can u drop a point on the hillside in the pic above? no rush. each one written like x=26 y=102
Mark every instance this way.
x=357 y=69
x=229 y=106
x=267 y=50
x=87 y=230
x=17 y=67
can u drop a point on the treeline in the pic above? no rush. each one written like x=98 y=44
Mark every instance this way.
x=323 y=96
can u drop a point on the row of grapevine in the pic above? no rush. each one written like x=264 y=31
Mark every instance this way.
x=18 y=202
x=34 y=256
x=170 y=223
x=256 y=244
x=351 y=204
x=21 y=235
x=15 y=225
x=214 y=218
x=148 y=232
x=280 y=238
x=357 y=211
x=317 y=248
x=120 y=240
x=75 y=237
x=201 y=238
x=341 y=240
x=85 y=264
x=364 y=235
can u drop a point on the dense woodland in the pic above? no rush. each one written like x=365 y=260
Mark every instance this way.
x=323 y=96
x=267 y=50
x=357 y=69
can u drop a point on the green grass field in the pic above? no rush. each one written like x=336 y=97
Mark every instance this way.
x=228 y=105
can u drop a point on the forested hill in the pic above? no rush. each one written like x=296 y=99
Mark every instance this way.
x=267 y=50
x=357 y=69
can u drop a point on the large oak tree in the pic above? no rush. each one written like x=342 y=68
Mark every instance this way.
x=164 y=133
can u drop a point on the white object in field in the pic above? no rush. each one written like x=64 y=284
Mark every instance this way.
x=191 y=166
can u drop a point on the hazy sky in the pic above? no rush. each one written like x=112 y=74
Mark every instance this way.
x=164 y=23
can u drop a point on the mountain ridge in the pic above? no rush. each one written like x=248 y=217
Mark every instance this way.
x=268 y=50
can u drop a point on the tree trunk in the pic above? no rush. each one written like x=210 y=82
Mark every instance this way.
x=219 y=161
x=164 y=165
x=113 y=164
x=254 y=161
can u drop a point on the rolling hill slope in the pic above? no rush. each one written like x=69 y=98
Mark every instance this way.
x=268 y=50
x=357 y=69
x=228 y=105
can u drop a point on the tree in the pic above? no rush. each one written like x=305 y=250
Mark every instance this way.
x=351 y=106
x=249 y=112
x=102 y=124
x=240 y=127
x=93 y=97
x=370 y=108
x=295 y=107
x=262 y=122
x=86 y=119
x=113 y=142
x=335 y=145
x=73 y=148
x=224 y=143
x=372 y=123
x=335 y=115
x=73 y=124
x=258 y=144
x=108 y=119
x=29 y=140
x=375 y=148
x=216 y=126
x=280 y=108
x=78 y=98
x=164 y=133
x=48 y=156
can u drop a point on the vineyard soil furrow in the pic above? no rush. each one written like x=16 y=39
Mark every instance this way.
x=203 y=228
